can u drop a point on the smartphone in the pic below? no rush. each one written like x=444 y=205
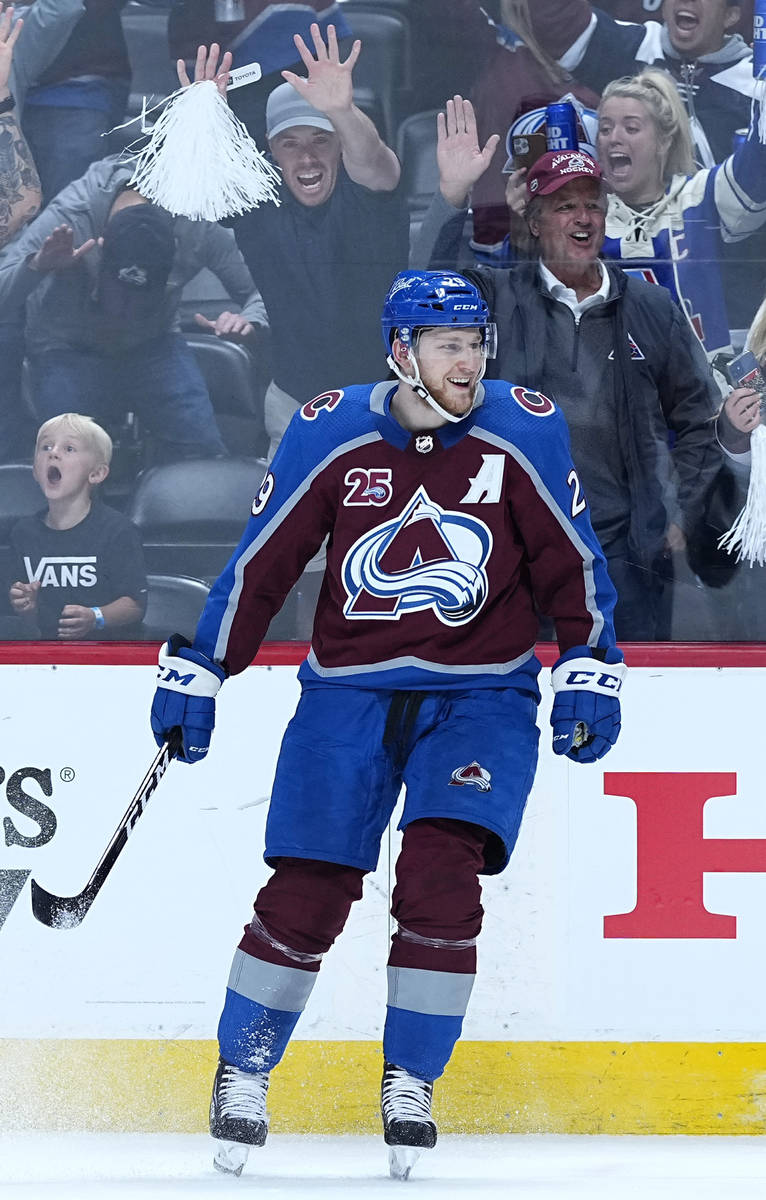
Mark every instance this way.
x=525 y=151
x=745 y=371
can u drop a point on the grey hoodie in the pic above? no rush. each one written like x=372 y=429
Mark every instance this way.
x=61 y=305
x=47 y=26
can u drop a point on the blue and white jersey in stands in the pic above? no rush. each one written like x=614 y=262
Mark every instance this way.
x=442 y=545
x=677 y=242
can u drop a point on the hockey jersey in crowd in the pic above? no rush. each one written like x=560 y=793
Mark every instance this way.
x=442 y=545
x=716 y=88
x=647 y=10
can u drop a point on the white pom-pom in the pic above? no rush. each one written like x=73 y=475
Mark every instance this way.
x=748 y=533
x=200 y=161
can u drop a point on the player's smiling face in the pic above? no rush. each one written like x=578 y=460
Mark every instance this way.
x=451 y=363
x=570 y=224
x=630 y=151
x=309 y=160
x=698 y=27
x=65 y=465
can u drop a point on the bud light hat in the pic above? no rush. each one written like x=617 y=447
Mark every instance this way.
x=136 y=261
x=558 y=167
x=285 y=108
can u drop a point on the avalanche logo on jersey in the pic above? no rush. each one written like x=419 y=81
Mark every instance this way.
x=635 y=350
x=428 y=557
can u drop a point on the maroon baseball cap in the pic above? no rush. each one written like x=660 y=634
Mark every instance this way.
x=558 y=167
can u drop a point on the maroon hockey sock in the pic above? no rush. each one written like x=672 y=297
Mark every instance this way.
x=437 y=898
x=302 y=908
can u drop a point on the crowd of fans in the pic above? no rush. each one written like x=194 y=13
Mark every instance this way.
x=624 y=274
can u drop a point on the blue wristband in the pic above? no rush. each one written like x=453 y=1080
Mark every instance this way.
x=100 y=622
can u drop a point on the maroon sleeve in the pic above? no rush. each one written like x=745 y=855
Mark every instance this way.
x=558 y=23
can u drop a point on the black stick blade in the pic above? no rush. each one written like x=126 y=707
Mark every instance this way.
x=66 y=912
x=60 y=912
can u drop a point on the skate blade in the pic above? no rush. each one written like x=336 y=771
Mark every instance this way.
x=230 y=1157
x=401 y=1160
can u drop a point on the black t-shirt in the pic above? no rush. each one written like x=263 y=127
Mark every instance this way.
x=92 y=564
x=323 y=273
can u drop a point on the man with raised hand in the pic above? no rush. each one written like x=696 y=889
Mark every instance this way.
x=616 y=353
x=340 y=233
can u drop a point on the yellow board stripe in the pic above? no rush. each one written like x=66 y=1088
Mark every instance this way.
x=332 y=1087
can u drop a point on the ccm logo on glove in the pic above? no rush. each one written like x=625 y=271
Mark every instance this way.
x=590 y=678
x=583 y=674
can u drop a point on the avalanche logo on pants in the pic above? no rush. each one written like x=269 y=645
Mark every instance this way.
x=428 y=557
x=474 y=775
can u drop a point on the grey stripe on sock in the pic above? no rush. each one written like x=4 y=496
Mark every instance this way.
x=435 y=993
x=283 y=988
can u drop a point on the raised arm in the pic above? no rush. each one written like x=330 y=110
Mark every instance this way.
x=739 y=186
x=461 y=161
x=47 y=27
x=329 y=87
x=20 y=195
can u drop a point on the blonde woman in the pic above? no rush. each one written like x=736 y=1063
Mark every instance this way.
x=665 y=221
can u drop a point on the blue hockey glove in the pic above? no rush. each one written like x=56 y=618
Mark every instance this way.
x=187 y=682
x=586 y=705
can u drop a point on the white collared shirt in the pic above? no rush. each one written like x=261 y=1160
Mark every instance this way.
x=567 y=295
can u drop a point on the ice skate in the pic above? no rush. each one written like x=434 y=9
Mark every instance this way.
x=238 y=1117
x=408 y=1128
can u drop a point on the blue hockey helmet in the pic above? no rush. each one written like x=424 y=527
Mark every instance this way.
x=426 y=299
x=423 y=299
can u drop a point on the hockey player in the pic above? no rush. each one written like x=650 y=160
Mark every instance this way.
x=453 y=512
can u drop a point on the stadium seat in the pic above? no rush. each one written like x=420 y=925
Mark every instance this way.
x=191 y=514
x=235 y=390
x=153 y=72
x=416 y=150
x=381 y=76
x=174 y=604
x=20 y=496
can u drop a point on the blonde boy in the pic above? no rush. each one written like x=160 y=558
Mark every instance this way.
x=82 y=572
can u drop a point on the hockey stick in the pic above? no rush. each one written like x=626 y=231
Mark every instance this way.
x=66 y=912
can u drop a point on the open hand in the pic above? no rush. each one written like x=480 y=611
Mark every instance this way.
x=460 y=158
x=329 y=85
x=58 y=252
x=206 y=66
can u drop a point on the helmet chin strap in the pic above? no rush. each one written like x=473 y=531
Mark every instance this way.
x=420 y=389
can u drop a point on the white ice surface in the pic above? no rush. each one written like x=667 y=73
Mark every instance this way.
x=168 y=1167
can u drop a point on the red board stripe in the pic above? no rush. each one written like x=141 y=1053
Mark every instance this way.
x=287 y=654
